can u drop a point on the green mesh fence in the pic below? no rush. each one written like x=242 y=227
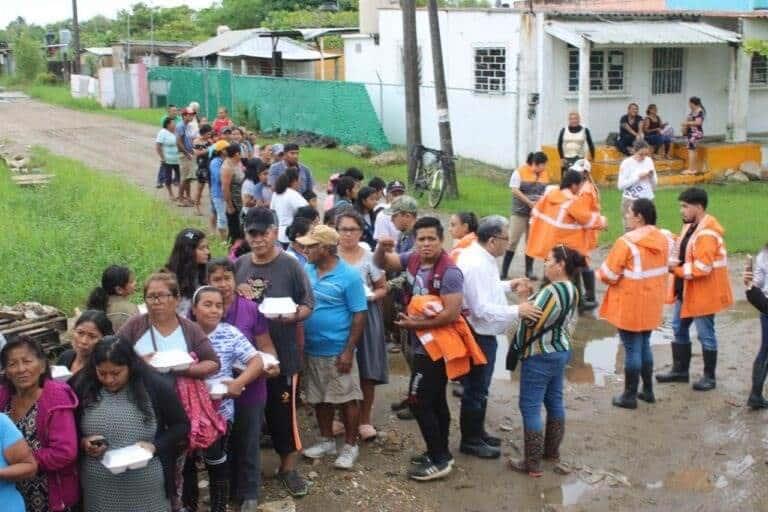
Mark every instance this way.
x=341 y=110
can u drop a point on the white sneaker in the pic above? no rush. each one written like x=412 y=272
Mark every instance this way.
x=348 y=456
x=321 y=449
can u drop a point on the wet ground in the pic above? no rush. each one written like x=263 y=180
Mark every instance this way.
x=689 y=451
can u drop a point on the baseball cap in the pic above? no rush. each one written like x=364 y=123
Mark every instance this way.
x=581 y=166
x=260 y=220
x=404 y=204
x=321 y=234
x=226 y=129
x=395 y=186
x=220 y=145
x=277 y=149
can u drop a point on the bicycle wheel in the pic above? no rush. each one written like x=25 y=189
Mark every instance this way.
x=436 y=187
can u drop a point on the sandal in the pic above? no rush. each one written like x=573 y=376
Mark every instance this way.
x=367 y=432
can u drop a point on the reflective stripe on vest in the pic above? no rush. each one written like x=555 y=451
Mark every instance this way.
x=558 y=222
x=721 y=262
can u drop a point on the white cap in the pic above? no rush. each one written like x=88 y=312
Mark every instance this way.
x=581 y=166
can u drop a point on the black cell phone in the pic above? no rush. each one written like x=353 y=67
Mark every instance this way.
x=100 y=442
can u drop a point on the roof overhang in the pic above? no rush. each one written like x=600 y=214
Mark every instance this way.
x=310 y=34
x=639 y=33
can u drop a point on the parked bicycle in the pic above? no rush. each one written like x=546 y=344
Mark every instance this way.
x=430 y=173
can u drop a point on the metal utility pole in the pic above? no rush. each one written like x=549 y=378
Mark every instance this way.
x=75 y=40
x=411 y=80
x=441 y=98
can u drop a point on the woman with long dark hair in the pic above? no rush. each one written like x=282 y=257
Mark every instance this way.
x=544 y=348
x=285 y=201
x=189 y=256
x=118 y=284
x=90 y=327
x=693 y=129
x=232 y=177
x=118 y=384
x=463 y=229
x=365 y=205
x=44 y=411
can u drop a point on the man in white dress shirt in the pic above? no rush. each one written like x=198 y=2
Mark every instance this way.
x=489 y=314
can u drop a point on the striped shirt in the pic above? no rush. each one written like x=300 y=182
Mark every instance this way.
x=553 y=299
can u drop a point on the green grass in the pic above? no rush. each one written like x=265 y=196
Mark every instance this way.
x=55 y=241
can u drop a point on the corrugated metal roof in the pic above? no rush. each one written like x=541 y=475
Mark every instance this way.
x=220 y=43
x=641 y=32
x=261 y=47
x=100 y=51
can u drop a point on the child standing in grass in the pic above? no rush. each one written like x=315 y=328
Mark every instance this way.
x=113 y=297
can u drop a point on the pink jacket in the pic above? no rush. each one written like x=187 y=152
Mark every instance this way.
x=57 y=433
x=205 y=422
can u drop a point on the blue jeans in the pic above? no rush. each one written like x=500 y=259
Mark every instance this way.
x=478 y=380
x=245 y=451
x=541 y=381
x=705 y=327
x=637 y=349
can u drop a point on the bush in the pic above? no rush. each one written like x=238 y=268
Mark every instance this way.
x=28 y=54
x=46 y=79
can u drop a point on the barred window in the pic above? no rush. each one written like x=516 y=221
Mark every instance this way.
x=606 y=70
x=490 y=70
x=667 y=73
x=759 y=71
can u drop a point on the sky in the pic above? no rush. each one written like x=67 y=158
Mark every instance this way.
x=41 y=12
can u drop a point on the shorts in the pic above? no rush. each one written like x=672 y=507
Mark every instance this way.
x=280 y=413
x=187 y=169
x=221 y=212
x=168 y=172
x=325 y=385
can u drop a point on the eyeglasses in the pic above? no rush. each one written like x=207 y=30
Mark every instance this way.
x=503 y=238
x=160 y=298
x=349 y=230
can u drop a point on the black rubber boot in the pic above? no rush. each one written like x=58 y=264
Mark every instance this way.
x=506 y=263
x=588 y=278
x=681 y=360
x=707 y=381
x=471 y=436
x=529 y=269
x=488 y=438
x=628 y=399
x=759 y=372
x=646 y=373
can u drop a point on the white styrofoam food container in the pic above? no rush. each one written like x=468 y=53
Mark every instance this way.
x=60 y=373
x=268 y=360
x=217 y=388
x=273 y=307
x=175 y=360
x=368 y=292
x=122 y=459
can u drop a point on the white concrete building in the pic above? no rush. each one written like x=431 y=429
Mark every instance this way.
x=514 y=76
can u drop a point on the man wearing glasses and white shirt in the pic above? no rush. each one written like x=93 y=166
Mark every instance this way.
x=489 y=314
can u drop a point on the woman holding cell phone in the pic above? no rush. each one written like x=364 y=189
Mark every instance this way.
x=118 y=384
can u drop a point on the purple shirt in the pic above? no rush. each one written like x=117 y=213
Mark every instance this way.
x=245 y=315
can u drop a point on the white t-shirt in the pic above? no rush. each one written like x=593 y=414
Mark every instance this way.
x=174 y=341
x=285 y=205
x=384 y=227
x=514 y=180
x=631 y=185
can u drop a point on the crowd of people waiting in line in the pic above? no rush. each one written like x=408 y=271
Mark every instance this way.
x=371 y=270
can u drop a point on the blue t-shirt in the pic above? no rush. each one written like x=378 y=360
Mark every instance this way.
x=215 y=170
x=181 y=131
x=339 y=294
x=9 y=497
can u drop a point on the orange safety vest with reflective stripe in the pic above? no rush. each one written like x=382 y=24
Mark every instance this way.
x=592 y=195
x=636 y=272
x=706 y=286
x=560 y=217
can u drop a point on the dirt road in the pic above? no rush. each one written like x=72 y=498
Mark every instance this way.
x=689 y=451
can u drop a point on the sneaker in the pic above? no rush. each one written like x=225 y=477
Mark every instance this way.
x=347 y=457
x=422 y=458
x=430 y=471
x=294 y=483
x=321 y=449
x=405 y=414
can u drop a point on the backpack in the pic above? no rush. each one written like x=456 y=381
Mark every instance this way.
x=434 y=278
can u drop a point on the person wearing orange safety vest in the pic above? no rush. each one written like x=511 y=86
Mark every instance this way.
x=636 y=272
x=562 y=216
x=701 y=288
x=591 y=194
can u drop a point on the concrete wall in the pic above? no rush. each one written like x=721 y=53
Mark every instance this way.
x=712 y=5
x=483 y=125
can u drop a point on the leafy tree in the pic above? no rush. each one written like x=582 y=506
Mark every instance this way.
x=28 y=54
